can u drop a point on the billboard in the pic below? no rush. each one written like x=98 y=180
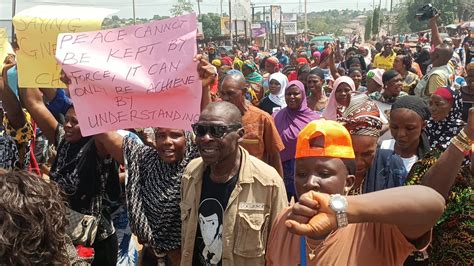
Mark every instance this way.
x=241 y=10
x=289 y=28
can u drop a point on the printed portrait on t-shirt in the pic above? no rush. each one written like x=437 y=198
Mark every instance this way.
x=210 y=223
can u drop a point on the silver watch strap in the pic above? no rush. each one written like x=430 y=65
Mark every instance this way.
x=341 y=218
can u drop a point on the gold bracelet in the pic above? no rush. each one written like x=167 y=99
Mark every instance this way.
x=465 y=137
x=463 y=147
x=459 y=141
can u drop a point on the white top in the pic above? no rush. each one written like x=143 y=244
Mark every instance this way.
x=389 y=144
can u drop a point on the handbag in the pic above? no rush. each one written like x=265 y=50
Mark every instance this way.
x=82 y=228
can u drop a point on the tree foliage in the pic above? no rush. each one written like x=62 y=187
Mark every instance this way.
x=368 y=28
x=451 y=10
x=376 y=21
x=211 y=25
x=181 y=7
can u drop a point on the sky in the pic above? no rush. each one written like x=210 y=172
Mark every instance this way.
x=148 y=8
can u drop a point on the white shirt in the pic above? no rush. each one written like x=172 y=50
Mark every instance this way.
x=389 y=144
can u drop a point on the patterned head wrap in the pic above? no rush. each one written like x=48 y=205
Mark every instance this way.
x=440 y=133
x=362 y=117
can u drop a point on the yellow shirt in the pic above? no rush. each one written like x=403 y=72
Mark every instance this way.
x=383 y=62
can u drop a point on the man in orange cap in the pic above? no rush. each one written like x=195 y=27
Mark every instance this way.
x=380 y=228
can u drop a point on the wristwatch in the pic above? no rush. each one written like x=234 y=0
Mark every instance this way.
x=338 y=204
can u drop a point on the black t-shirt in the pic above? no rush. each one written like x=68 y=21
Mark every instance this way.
x=214 y=199
x=268 y=106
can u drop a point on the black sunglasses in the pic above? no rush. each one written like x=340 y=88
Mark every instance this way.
x=216 y=131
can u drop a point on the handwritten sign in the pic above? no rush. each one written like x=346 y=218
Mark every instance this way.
x=37 y=30
x=5 y=47
x=133 y=77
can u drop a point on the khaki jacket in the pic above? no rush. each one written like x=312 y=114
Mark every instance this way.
x=259 y=195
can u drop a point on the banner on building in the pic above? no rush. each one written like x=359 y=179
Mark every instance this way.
x=289 y=17
x=259 y=30
x=289 y=28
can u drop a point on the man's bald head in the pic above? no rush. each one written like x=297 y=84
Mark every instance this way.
x=444 y=54
x=235 y=77
x=225 y=111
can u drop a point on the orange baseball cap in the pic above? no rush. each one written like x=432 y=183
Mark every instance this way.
x=337 y=140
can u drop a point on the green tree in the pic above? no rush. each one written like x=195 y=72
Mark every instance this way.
x=448 y=8
x=376 y=21
x=181 y=7
x=368 y=28
x=211 y=25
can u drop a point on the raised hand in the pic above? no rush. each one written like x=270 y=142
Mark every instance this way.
x=206 y=71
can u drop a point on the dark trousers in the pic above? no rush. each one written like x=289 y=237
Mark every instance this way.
x=106 y=251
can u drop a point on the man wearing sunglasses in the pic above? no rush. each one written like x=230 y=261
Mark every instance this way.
x=229 y=198
x=261 y=137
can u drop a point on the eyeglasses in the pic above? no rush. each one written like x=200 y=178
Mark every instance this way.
x=216 y=131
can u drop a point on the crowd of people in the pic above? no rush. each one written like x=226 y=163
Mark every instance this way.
x=339 y=156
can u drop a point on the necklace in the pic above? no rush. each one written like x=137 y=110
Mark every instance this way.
x=311 y=254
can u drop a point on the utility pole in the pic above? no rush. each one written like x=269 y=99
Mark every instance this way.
x=221 y=8
x=199 y=8
x=306 y=19
x=13 y=15
x=134 y=17
x=230 y=23
x=271 y=27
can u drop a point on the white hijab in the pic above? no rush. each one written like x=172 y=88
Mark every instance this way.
x=280 y=97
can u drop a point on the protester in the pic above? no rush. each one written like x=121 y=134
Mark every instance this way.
x=384 y=60
x=34 y=222
x=82 y=169
x=366 y=228
x=441 y=72
x=289 y=121
x=153 y=185
x=403 y=65
x=467 y=92
x=340 y=97
x=446 y=117
x=229 y=198
x=16 y=130
x=452 y=234
x=276 y=99
x=261 y=139
x=303 y=73
x=395 y=157
x=392 y=89
x=317 y=99
x=254 y=80
x=374 y=80
x=362 y=120
x=356 y=75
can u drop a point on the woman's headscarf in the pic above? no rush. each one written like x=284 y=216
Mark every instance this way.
x=238 y=64
x=226 y=61
x=290 y=122
x=417 y=105
x=356 y=60
x=330 y=113
x=253 y=77
x=388 y=75
x=440 y=133
x=362 y=117
x=216 y=62
x=279 y=98
x=376 y=74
